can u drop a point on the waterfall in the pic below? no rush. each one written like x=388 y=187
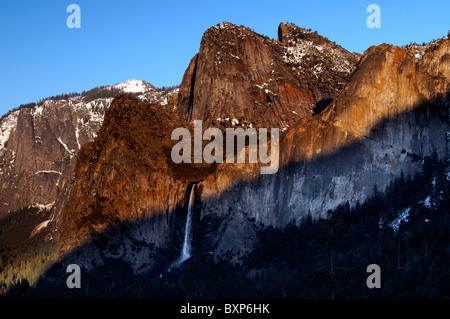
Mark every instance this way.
x=186 y=252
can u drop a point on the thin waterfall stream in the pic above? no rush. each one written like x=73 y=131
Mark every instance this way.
x=186 y=251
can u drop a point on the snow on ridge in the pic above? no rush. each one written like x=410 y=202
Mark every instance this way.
x=296 y=51
x=159 y=97
x=42 y=206
x=6 y=126
x=420 y=50
x=223 y=25
x=95 y=108
x=37 y=110
x=134 y=86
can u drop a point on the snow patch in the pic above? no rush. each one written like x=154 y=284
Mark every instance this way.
x=6 y=126
x=65 y=146
x=77 y=135
x=426 y=202
x=37 y=110
x=395 y=224
x=298 y=51
x=39 y=227
x=262 y=86
x=134 y=86
x=44 y=207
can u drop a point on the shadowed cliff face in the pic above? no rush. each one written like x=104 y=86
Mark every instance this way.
x=386 y=84
x=392 y=112
x=239 y=74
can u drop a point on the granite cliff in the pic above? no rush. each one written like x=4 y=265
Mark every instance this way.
x=259 y=82
x=393 y=112
x=349 y=123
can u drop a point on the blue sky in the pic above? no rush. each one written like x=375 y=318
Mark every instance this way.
x=155 y=40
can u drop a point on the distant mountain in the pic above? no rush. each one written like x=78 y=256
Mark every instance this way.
x=134 y=86
x=39 y=144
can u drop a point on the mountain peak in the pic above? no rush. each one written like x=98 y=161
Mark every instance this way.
x=134 y=86
x=247 y=76
x=225 y=31
x=225 y=25
x=288 y=31
x=316 y=57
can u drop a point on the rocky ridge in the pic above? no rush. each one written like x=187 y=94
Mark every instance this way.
x=39 y=144
x=391 y=114
x=241 y=76
x=125 y=175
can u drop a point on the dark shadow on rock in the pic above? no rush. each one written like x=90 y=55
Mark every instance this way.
x=110 y=268
x=321 y=105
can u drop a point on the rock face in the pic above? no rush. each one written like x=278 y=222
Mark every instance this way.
x=239 y=74
x=40 y=154
x=125 y=174
x=39 y=144
x=315 y=57
x=393 y=112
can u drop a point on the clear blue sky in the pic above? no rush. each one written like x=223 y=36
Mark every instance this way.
x=155 y=40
